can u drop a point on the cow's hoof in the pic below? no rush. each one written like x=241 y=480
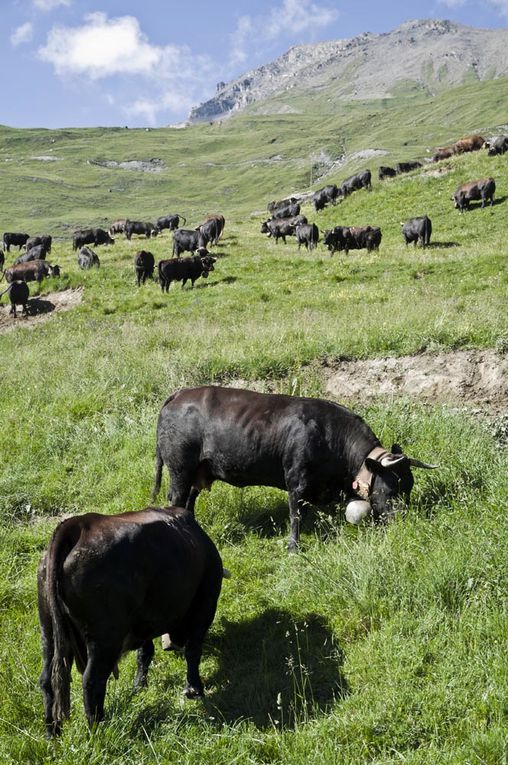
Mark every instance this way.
x=292 y=546
x=190 y=692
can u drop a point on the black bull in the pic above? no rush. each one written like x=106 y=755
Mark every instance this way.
x=316 y=450
x=110 y=584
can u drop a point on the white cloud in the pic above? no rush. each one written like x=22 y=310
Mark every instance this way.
x=22 y=34
x=48 y=5
x=293 y=17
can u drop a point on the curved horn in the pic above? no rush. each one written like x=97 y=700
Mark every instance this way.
x=419 y=464
x=392 y=459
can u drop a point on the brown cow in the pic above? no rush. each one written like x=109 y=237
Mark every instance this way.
x=117 y=227
x=468 y=143
x=474 y=190
x=34 y=271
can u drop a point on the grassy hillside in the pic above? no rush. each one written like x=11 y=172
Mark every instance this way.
x=371 y=645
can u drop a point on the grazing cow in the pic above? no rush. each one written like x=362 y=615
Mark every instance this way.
x=117 y=227
x=352 y=238
x=354 y=182
x=17 y=240
x=138 y=227
x=289 y=211
x=307 y=234
x=326 y=195
x=314 y=449
x=186 y=240
x=469 y=143
x=272 y=206
x=109 y=584
x=45 y=240
x=212 y=228
x=2 y=260
x=280 y=229
x=94 y=236
x=144 y=264
x=184 y=269
x=406 y=167
x=386 y=172
x=35 y=253
x=35 y=271
x=170 y=222
x=498 y=145
x=18 y=295
x=417 y=230
x=87 y=258
x=445 y=152
x=483 y=189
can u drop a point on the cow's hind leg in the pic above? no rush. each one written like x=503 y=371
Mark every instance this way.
x=52 y=728
x=144 y=657
x=297 y=513
x=100 y=665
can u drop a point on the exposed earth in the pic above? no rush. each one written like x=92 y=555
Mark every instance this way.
x=40 y=308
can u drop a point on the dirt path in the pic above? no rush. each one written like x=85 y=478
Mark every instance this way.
x=40 y=308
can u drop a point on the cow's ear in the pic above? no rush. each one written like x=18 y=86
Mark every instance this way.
x=396 y=449
x=374 y=466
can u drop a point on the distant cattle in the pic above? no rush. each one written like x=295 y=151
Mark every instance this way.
x=272 y=206
x=95 y=236
x=308 y=235
x=345 y=238
x=109 y=584
x=289 y=211
x=187 y=240
x=444 y=152
x=185 y=269
x=2 y=260
x=417 y=230
x=35 y=271
x=170 y=222
x=498 y=145
x=406 y=167
x=117 y=227
x=45 y=241
x=35 y=253
x=474 y=190
x=280 y=229
x=144 y=264
x=16 y=240
x=469 y=143
x=18 y=295
x=139 y=227
x=386 y=172
x=212 y=228
x=326 y=195
x=354 y=182
x=87 y=258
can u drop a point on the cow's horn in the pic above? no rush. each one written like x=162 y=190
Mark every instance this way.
x=392 y=459
x=418 y=463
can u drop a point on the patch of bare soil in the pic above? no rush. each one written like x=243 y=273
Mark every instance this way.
x=40 y=308
x=478 y=378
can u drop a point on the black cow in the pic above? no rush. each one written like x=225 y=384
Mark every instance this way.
x=18 y=295
x=289 y=211
x=45 y=240
x=94 y=236
x=170 y=222
x=498 y=145
x=109 y=584
x=386 y=172
x=308 y=235
x=144 y=264
x=314 y=449
x=280 y=229
x=35 y=253
x=87 y=258
x=2 y=260
x=325 y=196
x=354 y=182
x=272 y=206
x=483 y=189
x=186 y=240
x=35 y=271
x=212 y=228
x=352 y=238
x=185 y=269
x=138 y=227
x=16 y=240
x=417 y=230
x=406 y=167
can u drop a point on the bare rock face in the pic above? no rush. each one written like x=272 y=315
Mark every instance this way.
x=428 y=55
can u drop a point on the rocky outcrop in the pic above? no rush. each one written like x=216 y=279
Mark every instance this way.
x=428 y=55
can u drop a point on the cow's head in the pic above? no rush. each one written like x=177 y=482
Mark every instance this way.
x=384 y=480
x=264 y=228
x=154 y=232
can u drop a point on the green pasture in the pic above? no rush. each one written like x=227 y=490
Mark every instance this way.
x=371 y=645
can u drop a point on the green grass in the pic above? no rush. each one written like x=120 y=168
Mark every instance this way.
x=371 y=645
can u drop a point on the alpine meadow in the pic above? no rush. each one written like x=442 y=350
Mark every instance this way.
x=373 y=643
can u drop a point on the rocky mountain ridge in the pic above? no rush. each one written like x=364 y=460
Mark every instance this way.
x=430 y=55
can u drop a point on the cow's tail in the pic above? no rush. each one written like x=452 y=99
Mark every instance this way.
x=2 y=277
x=159 y=464
x=62 y=542
x=184 y=218
x=6 y=289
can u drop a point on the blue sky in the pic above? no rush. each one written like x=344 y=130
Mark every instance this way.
x=118 y=62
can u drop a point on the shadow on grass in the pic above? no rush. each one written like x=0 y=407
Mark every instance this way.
x=38 y=306
x=478 y=205
x=226 y=280
x=442 y=245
